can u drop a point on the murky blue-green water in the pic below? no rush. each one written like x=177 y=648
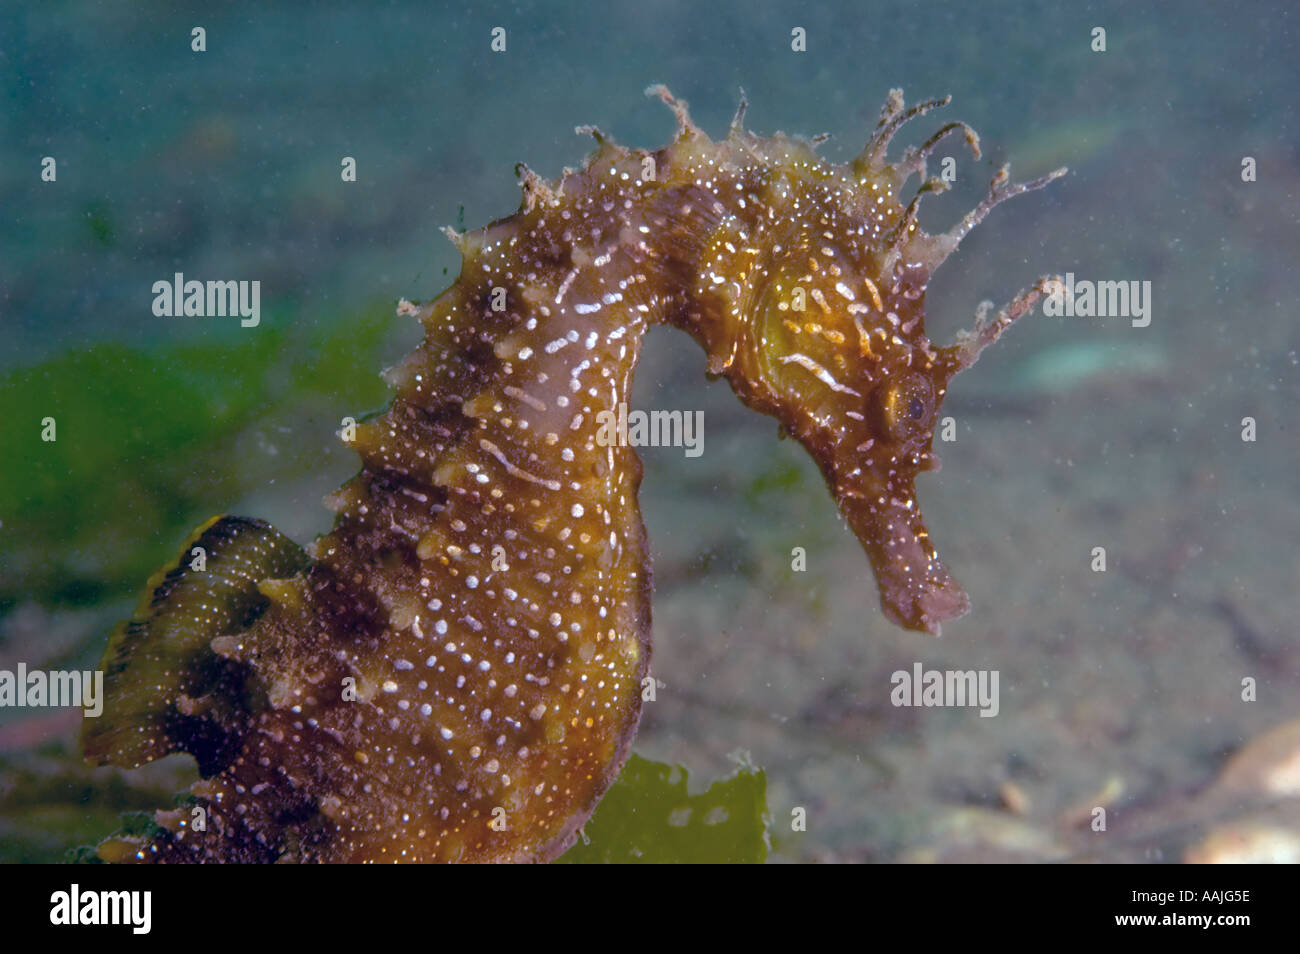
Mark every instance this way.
x=1121 y=689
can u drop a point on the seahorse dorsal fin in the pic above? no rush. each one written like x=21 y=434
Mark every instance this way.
x=162 y=656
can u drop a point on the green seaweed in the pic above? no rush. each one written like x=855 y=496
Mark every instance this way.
x=649 y=817
x=150 y=442
x=52 y=808
x=783 y=475
x=135 y=433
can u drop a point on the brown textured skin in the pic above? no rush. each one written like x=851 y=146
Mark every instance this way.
x=486 y=587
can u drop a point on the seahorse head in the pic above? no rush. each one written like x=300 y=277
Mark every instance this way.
x=816 y=294
x=837 y=351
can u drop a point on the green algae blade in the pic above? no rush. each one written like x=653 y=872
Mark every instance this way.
x=649 y=817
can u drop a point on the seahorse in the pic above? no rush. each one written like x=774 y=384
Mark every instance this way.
x=454 y=672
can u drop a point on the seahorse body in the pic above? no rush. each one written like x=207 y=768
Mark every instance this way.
x=454 y=672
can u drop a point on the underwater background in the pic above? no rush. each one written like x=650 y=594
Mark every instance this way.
x=1120 y=689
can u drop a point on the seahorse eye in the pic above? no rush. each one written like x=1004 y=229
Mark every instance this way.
x=903 y=407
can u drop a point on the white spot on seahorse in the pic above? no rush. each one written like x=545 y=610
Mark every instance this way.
x=520 y=395
x=808 y=364
x=564 y=286
x=514 y=471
